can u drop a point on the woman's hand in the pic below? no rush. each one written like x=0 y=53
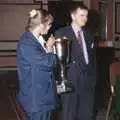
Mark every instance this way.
x=50 y=43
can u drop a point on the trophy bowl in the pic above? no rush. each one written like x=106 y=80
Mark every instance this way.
x=62 y=50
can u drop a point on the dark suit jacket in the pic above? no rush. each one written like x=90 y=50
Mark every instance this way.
x=36 y=76
x=79 y=73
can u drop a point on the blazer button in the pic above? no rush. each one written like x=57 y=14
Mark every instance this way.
x=74 y=62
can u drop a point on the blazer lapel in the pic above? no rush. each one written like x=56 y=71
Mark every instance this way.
x=35 y=41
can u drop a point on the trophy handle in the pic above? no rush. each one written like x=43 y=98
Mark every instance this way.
x=54 y=50
x=68 y=58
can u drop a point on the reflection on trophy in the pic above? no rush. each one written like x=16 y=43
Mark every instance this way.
x=62 y=49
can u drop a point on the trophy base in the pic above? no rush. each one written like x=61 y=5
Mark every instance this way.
x=64 y=87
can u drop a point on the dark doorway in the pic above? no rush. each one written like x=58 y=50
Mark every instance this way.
x=60 y=11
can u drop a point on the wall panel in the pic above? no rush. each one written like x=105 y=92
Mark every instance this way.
x=13 y=18
x=16 y=1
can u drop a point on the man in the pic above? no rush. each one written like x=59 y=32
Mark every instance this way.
x=79 y=104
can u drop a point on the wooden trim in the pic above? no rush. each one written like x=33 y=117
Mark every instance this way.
x=105 y=43
x=7 y=55
x=9 y=40
x=36 y=1
x=94 y=4
x=110 y=17
x=7 y=50
x=8 y=67
x=44 y=4
x=116 y=3
x=8 y=46
x=103 y=13
x=107 y=32
x=8 y=61
x=20 y=3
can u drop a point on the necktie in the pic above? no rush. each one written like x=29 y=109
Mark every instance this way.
x=83 y=50
x=80 y=40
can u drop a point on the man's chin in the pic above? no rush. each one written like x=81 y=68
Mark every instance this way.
x=82 y=25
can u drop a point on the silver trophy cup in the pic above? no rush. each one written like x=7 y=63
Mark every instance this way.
x=62 y=50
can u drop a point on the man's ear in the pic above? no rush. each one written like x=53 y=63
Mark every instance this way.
x=72 y=16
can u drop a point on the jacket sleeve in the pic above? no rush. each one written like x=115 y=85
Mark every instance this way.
x=59 y=33
x=33 y=55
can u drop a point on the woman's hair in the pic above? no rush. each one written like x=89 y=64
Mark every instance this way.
x=38 y=16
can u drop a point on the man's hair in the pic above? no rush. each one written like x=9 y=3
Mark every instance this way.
x=76 y=5
x=41 y=16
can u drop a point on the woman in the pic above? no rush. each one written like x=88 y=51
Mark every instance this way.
x=36 y=64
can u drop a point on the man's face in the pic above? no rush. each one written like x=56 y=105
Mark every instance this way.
x=80 y=17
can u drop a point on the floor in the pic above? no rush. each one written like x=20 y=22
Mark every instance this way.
x=7 y=106
x=7 y=111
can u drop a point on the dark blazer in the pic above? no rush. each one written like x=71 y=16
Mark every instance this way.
x=78 y=69
x=36 y=77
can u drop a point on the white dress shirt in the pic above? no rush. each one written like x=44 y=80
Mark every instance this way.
x=42 y=42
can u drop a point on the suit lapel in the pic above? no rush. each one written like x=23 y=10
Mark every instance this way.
x=76 y=47
x=35 y=41
x=73 y=34
x=87 y=42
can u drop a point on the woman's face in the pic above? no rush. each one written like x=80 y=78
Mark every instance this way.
x=44 y=27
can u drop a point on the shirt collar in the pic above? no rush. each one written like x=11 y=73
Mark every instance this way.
x=75 y=28
x=41 y=40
